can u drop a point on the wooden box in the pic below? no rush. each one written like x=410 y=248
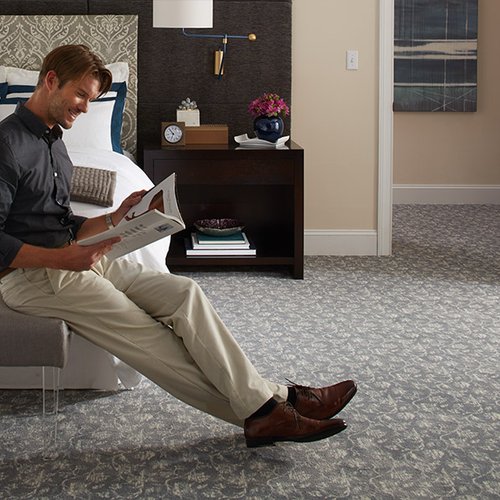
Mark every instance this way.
x=207 y=134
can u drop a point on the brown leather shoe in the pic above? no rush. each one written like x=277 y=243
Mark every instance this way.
x=285 y=424
x=325 y=402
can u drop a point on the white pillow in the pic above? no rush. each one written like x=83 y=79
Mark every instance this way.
x=92 y=129
x=6 y=110
x=99 y=128
x=19 y=76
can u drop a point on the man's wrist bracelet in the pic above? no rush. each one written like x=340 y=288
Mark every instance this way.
x=109 y=221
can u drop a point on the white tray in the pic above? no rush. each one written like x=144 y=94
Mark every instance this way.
x=244 y=140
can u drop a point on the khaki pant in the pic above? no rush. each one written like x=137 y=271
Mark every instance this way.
x=160 y=324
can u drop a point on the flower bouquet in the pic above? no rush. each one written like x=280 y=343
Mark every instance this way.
x=268 y=112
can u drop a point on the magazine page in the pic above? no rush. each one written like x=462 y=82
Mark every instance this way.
x=162 y=198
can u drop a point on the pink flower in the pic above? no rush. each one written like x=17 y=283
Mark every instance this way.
x=268 y=104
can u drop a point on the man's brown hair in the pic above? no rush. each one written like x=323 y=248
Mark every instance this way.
x=74 y=62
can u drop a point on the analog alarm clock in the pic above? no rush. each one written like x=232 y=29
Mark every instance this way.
x=173 y=134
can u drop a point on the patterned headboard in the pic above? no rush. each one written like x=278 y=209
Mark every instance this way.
x=25 y=40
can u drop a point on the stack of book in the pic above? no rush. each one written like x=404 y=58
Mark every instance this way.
x=232 y=245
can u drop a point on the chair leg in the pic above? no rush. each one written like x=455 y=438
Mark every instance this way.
x=43 y=390
x=56 y=377
x=56 y=385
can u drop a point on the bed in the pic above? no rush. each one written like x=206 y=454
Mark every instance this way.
x=102 y=140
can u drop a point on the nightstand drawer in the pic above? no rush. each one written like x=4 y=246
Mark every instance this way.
x=224 y=172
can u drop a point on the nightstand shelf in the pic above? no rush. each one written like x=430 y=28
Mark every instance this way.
x=263 y=188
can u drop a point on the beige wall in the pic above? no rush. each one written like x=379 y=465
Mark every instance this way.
x=335 y=111
x=457 y=148
x=335 y=116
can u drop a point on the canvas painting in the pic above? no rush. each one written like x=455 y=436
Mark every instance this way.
x=435 y=55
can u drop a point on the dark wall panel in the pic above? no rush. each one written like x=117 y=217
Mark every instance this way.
x=29 y=7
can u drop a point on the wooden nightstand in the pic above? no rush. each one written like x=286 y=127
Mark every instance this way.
x=262 y=188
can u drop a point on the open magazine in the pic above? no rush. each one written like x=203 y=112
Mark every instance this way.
x=157 y=215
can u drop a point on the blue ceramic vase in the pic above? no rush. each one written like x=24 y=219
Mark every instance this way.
x=268 y=128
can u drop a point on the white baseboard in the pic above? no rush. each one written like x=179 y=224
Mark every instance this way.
x=335 y=242
x=437 y=194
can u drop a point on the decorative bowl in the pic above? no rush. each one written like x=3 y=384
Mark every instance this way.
x=218 y=227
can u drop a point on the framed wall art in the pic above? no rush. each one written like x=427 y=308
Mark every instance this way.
x=435 y=55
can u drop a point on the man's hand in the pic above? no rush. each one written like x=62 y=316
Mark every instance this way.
x=127 y=204
x=96 y=225
x=71 y=258
x=81 y=258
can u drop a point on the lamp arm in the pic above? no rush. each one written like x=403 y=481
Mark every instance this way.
x=223 y=59
x=252 y=37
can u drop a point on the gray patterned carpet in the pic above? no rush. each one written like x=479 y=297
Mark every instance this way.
x=419 y=331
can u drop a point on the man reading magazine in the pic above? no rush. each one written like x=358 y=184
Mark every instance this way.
x=161 y=324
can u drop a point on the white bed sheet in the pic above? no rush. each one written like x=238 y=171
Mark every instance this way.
x=129 y=177
x=89 y=366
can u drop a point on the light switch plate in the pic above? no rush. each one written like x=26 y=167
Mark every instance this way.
x=352 y=60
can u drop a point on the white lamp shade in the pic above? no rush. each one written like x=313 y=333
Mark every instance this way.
x=182 y=14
